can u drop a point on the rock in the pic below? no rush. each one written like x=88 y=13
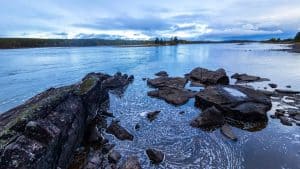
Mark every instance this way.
x=132 y=162
x=144 y=78
x=284 y=91
x=162 y=82
x=279 y=112
x=273 y=85
x=285 y=121
x=245 y=78
x=118 y=131
x=46 y=130
x=181 y=112
x=114 y=156
x=208 y=119
x=107 y=147
x=108 y=114
x=208 y=77
x=288 y=86
x=297 y=117
x=196 y=84
x=227 y=131
x=237 y=102
x=152 y=115
x=267 y=93
x=161 y=73
x=137 y=126
x=174 y=96
x=156 y=156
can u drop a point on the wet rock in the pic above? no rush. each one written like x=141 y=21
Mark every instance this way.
x=161 y=73
x=208 y=77
x=196 y=84
x=245 y=78
x=137 y=126
x=118 y=131
x=285 y=121
x=273 y=85
x=237 y=102
x=132 y=162
x=107 y=147
x=174 y=96
x=144 y=78
x=297 y=117
x=152 y=115
x=156 y=156
x=172 y=82
x=227 y=131
x=181 y=112
x=288 y=86
x=108 y=114
x=267 y=92
x=208 y=119
x=279 y=112
x=284 y=91
x=114 y=156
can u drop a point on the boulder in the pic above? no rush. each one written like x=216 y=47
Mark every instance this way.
x=132 y=162
x=118 y=131
x=161 y=73
x=286 y=121
x=208 y=119
x=245 y=78
x=208 y=77
x=162 y=82
x=171 y=95
x=237 y=102
x=152 y=115
x=285 y=91
x=156 y=156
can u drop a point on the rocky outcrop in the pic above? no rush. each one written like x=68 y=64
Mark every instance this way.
x=170 y=82
x=245 y=78
x=161 y=73
x=46 y=130
x=209 y=119
x=208 y=77
x=237 y=102
x=132 y=162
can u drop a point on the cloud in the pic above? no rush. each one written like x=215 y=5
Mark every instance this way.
x=143 y=19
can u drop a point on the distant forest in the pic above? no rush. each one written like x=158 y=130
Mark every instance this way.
x=11 y=43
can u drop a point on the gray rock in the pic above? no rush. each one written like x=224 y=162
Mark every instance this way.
x=208 y=119
x=114 y=156
x=161 y=73
x=208 y=77
x=237 y=102
x=132 y=162
x=152 y=115
x=227 y=131
x=273 y=85
x=245 y=78
x=173 y=82
x=118 y=131
x=156 y=156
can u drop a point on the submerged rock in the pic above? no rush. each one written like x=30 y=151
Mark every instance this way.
x=245 y=78
x=174 y=96
x=132 y=162
x=208 y=119
x=227 y=131
x=118 y=131
x=237 y=102
x=156 y=156
x=161 y=73
x=152 y=115
x=208 y=77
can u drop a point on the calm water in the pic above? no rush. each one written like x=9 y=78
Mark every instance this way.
x=25 y=72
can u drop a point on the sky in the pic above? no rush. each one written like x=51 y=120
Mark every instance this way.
x=147 y=19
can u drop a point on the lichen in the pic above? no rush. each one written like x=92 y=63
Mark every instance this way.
x=87 y=85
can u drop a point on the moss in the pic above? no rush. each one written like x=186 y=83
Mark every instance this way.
x=87 y=85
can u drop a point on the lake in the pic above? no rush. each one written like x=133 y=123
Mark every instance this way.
x=26 y=72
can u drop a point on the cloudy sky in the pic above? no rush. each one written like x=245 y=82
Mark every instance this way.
x=146 y=19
